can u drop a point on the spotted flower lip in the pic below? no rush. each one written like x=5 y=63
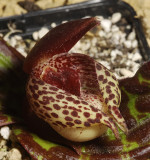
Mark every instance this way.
x=72 y=92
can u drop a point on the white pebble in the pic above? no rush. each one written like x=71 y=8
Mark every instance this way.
x=100 y=18
x=22 y=51
x=106 y=25
x=14 y=154
x=109 y=35
x=135 y=66
x=122 y=37
x=134 y=43
x=127 y=44
x=2 y=154
x=116 y=37
x=105 y=52
x=53 y=25
x=42 y=32
x=105 y=63
x=130 y=55
x=129 y=63
x=86 y=45
x=131 y=36
x=126 y=72
x=137 y=57
x=113 y=53
x=35 y=36
x=103 y=43
x=18 y=37
x=13 y=42
x=114 y=28
x=128 y=27
x=101 y=33
x=5 y=132
x=94 y=41
x=116 y=17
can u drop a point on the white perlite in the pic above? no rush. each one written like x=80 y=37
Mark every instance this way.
x=116 y=17
x=14 y=154
x=106 y=25
x=5 y=132
x=112 y=46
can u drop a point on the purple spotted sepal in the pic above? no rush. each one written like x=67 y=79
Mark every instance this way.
x=72 y=91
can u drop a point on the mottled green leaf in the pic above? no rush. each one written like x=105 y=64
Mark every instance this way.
x=41 y=149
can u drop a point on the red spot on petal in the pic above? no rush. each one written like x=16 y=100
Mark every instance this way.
x=108 y=90
x=53 y=88
x=65 y=112
x=47 y=108
x=100 y=77
x=59 y=96
x=69 y=99
x=68 y=118
x=114 y=101
x=98 y=67
x=70 y=124
x=111 y=96
x=97 y=120
x=61 y=124
x=56 y=106
x=114 y=77
x=36 y=87
x=77 y=121
x=86 y=114
x=31 y=89
x=47 y=115
x=83 y=102
x=104 y=81
x=111 y=84
x=91 y=120
x=35 y=96
x=87 y=124
x=106 y=100
x=98 y=116
x=107 y=73
x=94 y=109
x=36 y=104
x=54 y=115
x=40 y=92
x=76 y=102
x=85 y=108
x=64 y=102
x=74 y=113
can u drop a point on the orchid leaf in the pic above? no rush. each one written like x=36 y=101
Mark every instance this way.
x=12 y=79
x=5 y=119
x=41 y=149
x=10 y=58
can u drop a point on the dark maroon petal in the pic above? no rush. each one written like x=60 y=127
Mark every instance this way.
x=58 y=40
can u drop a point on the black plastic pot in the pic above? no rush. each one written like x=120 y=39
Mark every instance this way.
x=31 y=22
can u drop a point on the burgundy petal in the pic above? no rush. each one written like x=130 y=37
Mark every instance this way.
x=58 y=40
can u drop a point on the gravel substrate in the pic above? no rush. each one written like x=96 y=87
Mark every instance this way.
x=113 y=44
